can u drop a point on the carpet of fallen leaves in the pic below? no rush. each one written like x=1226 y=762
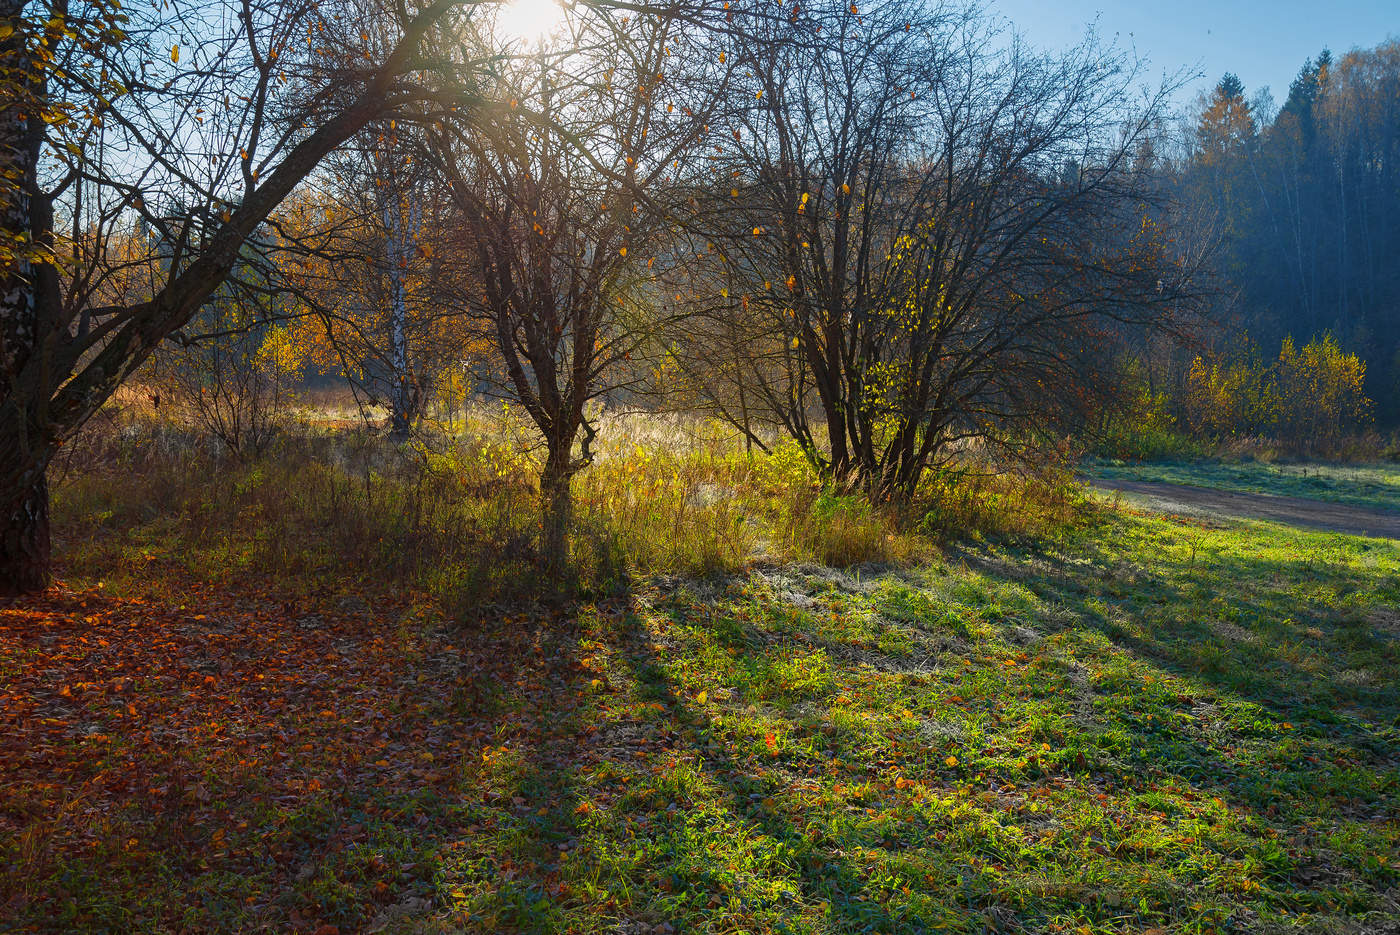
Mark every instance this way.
x=244 y=761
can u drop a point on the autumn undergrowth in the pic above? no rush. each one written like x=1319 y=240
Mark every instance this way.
x=454 y=513
x=271 y=697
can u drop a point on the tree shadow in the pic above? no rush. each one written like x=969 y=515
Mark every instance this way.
x=541 y=718
x=825 y=874
x=1256 y=620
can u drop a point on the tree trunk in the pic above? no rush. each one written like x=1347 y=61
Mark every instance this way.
x=24 y=544
x=24 y=504
x=403 y=398
x=557 y=503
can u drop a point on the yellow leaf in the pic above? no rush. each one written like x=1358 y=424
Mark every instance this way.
x=951 y=760
x=175 y=53
x=721 y=58
x=622 y=252
x=702 y=698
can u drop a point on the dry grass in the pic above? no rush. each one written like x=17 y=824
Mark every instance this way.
x=455 y=513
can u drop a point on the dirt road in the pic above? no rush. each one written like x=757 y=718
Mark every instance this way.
x=1297 y=511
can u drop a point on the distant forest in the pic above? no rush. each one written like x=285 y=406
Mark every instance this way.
x=1305 y=200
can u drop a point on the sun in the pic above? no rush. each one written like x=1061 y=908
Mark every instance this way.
x=533 y=22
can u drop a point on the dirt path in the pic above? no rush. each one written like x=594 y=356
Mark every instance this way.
x=1296 y=511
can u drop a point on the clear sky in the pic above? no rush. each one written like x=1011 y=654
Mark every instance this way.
x=1263 y=42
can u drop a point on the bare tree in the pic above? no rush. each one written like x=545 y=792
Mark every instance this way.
x=942 y=228
x=562 y=194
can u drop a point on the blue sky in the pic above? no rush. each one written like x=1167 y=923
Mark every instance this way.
x=1265 y=43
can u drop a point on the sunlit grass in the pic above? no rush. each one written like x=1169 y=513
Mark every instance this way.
x=1060 y=739
x=455 y=512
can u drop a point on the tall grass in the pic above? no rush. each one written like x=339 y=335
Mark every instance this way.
x=455 y=514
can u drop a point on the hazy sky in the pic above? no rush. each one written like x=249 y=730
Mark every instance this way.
x=1263 y=42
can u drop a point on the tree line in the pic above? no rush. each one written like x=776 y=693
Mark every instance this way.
x=1305 y=199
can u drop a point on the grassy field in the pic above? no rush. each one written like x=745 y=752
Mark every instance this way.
x=1121 y=723
x=1372 y=486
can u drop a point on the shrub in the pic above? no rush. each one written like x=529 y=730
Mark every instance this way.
x=236 y=383
x=1322 y=390
x=1309 y=399
x=1227 y=398
x=1144 y=429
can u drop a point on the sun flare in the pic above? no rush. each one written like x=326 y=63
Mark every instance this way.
x=533 y=22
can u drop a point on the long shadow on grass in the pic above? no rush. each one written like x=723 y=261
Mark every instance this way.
x=516 y=821
x=1226 y=621
x=649 y=866
x=825 y=873
x=584 y=738
x=1237 y=628
x=1229 y=760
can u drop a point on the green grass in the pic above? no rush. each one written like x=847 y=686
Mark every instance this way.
x=1373 y=486
x=1152 y=725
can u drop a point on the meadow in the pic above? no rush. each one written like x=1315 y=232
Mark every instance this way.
x=320 y=691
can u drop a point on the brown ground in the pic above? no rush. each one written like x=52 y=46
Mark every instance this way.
x=1296 y=511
